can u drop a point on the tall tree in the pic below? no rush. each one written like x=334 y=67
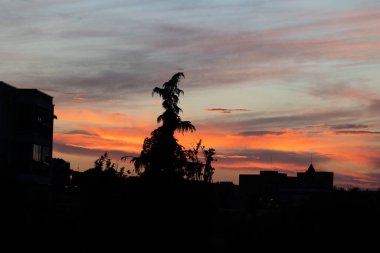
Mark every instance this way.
x=161 y=154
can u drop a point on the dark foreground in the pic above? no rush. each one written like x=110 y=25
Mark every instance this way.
x=178 y=215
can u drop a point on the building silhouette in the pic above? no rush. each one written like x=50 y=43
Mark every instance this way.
x=274 y=182
x=315 y=180
x=26 y=133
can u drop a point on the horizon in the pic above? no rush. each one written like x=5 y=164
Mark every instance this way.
x=267 y=84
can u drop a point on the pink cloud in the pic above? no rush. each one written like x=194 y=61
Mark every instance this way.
x=226 y=110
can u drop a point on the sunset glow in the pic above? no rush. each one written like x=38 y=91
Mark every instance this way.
x=268 y=83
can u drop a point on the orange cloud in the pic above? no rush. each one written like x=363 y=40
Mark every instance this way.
x=99 y=142
x=90 y=116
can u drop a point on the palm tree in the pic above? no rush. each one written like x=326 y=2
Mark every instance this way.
x=161 y=153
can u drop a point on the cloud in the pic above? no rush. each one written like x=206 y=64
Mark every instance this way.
x=268 y=156
x=100 y=86
x=287 y=120
x=231 y=156
x=92 y=116
x=355 y=93
x=225 y=110
x=375 y=105
x=348 y=126
x=342 y=90
x=376 y=163
x=362 y=99
x=60 y=95
x=106 y=139
x=260 y=133
x=261 y=51
x=75 y=150
x=105 y=63
x=81 y=132
x=374 y=177
x=370 y=180
x=358 y=132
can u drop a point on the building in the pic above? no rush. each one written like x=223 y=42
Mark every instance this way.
x=26 y=132
x=274 y=182
x=315 y=180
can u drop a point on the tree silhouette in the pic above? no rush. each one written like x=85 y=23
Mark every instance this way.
x=208 y=169
x=161 y=154
x=194 y=165
x=195 y=168
x=105 y=164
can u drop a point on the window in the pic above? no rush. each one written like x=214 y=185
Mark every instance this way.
x=37 y=152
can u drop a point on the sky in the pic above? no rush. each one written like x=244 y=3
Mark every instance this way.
x=268 y=83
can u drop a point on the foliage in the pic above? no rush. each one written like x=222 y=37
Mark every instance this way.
x=208 y=170
x=195 y=168
x=105 y=164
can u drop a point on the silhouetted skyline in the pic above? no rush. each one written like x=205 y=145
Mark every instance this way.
x=267 y=83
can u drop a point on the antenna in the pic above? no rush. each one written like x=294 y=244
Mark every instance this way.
x=311 y=158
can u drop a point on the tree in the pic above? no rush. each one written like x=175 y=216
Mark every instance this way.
x=208 y=169
x=161 y=154
x=104 y=164
x=195 y=168
x=194 y=165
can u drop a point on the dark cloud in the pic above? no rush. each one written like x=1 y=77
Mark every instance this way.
x=69 y=149
x=372 y=180
x=375 y=178
x=348 y=126
x=374 y=175
x=334 y=90
x=82 y=132
x=105 y=86
x=290 y=120
x=357 y=132
x=60 y=93
x=260 y=133
x=109 y=78
x=376 y=162
x=257 y=169
x=362 y=94
x=273 y=156
x=225 y=110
